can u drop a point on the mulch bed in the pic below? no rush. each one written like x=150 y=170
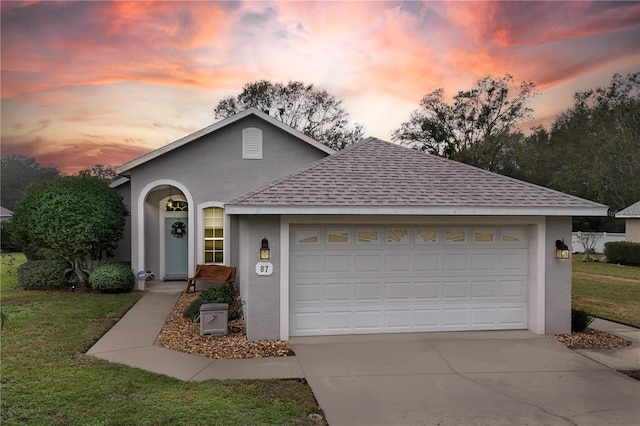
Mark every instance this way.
x=182 y=334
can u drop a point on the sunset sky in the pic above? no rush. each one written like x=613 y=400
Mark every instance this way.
x=97 y=82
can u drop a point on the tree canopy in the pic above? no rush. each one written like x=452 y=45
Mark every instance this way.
x=76 y=218
x=475 y=127
x=592 y=150
x=18 y=172
x=313 y=112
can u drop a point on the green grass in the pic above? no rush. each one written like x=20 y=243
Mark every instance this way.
x=607 y=291
x=47 y=380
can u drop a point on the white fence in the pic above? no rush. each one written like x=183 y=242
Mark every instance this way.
x=604 y=237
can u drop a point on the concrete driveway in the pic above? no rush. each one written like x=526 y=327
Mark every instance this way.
x=462 y=378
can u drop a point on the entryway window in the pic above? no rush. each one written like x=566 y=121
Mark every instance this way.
x=213 y=234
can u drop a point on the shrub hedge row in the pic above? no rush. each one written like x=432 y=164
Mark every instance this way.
x=622 y=252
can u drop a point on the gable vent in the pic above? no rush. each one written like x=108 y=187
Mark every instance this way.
x=252 y=143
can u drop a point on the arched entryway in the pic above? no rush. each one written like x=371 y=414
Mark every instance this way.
x=165 y=235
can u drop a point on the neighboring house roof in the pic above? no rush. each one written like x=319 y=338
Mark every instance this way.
x=212 y=128
x=631 y=212
x=378 y=177
x=4 y=212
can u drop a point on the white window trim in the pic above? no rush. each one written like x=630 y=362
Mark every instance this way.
x=226 y=240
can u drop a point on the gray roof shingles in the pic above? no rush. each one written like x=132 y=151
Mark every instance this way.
x=373 y=172
x=632 y=211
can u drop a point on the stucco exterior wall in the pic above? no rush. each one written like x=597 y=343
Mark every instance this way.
x=557 y=278
x=632 y=230
x=212 y=170
x=262 y=293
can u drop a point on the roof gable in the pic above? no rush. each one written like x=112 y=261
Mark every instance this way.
x=374 y=174
x=218 y=125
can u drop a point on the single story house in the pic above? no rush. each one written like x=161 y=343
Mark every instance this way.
x=631 y=215
x=376 y=238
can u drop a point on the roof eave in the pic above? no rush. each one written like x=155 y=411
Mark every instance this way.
x=415 y=210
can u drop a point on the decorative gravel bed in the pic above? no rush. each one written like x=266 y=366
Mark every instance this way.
x=183 y=335
x=592 y=339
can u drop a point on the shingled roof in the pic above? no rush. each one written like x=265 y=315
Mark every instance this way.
x=378 y=177
x=633 y=211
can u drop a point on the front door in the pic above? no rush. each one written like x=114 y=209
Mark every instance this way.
x=176 y=243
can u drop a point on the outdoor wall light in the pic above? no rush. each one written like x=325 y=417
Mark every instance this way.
x=169 y=202
x=562 y=251
x=265 y=252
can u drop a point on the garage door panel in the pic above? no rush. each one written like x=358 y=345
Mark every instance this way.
x=427 y=262
x=396 y=291
x=368 y=319
x=455 y=289
x=394 y=283
x=427 y=290
x=339 y=263
x=454 y=262
x=398 y=263
x=484 y=289
x=367 y=263
x=368 y=291
x=399 y=319
x=338 y=292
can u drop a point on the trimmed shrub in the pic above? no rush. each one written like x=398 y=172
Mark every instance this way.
x=112 y=278
x=622 y=252
x=42 y=274
x=580 y=320
x=220 y=294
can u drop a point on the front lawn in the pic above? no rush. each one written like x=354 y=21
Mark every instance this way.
x=607 y=291
x=47 y=380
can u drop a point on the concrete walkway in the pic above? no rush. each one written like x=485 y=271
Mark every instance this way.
x=131 y=342
x=624 y=359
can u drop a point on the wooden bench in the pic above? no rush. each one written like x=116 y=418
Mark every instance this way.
x=217 y=274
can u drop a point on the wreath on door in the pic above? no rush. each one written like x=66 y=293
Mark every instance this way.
x=178 y=229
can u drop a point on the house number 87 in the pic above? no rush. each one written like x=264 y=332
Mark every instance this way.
x=264 y=268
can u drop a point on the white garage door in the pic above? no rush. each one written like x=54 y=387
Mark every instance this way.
x=390 y=279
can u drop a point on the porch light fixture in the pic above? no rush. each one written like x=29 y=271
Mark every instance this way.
x=169 y=202
x=562 y=251
x=265 y=252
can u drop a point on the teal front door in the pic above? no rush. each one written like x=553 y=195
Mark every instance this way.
x=176 y=248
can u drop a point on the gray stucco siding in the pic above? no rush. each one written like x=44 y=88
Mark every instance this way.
x=557 y=278
x=261 y=293
x=213 y=169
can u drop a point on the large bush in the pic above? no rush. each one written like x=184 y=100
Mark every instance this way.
x=222 y=294
x=77 y=218
x=42 y=274
x=112 y=278
x=622 y=252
